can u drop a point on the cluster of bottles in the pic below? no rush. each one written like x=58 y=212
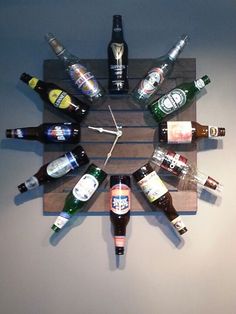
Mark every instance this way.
x=146 y=177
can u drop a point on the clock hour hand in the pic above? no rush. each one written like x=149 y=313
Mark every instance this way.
x=102 y=130
x=114 y=120
x=111 y=150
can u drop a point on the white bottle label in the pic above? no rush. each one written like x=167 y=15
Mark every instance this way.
x=178 y=223
x=199 y=84
x=61 y=220
x=172 y=101
x=150 y=83
x=212 y=131
x=31 y=183
x=85 y=188
x=59 y=167
x=152 y=186
x=179 y=132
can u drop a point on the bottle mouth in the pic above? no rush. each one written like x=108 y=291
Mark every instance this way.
x=206 y=79
x=25 y=77
x=22 y=188
x=8 y=133
x=221 y=131
x=119 y=250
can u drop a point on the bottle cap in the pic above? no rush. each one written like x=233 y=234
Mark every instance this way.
x=25 y=77
x=206 y=79
x=119 y=250
x=22 y=188
x=55 y=228
x=9 y=133
x=221 y=131
x=182 y=231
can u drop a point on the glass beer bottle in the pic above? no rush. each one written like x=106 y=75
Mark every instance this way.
x=80 y=195
x=117 y=59
x=184 y=132
x=57 y=97
x=56 y=169
x=178 y=98
x=158 y=195
x=149 y=85
x=79 y=74
x=48 y=133
x=119 y=209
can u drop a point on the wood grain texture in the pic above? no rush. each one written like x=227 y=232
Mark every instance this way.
x=134 y=148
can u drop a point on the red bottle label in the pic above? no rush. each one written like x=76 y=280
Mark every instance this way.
x=120 y=199
x=174 y=163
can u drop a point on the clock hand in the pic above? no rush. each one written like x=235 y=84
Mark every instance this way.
x=113 y=118
x=113 y=146
x=101 y=130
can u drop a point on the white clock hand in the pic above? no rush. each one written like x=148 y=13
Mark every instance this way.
x=101 y=130
x=113 y=146
x=113 y=118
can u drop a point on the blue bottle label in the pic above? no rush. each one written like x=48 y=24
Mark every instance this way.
x=59 y=133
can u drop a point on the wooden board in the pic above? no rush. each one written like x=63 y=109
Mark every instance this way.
x=134 y=148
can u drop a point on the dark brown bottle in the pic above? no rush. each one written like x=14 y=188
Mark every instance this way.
x=182 y=132
x=56 y=169
x=117 y=59
x=56 y=96
x=158 y=195
x=119 y=209
x=66 y=132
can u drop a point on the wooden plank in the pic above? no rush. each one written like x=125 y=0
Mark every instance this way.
x=135 y=147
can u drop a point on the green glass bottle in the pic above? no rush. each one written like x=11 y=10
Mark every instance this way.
x=179 y=97
x=80 y=195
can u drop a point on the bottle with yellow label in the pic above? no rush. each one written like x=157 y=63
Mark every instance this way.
x=56 y=96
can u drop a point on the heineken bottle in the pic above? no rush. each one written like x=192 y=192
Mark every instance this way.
x=80 y=195
x=179 y=97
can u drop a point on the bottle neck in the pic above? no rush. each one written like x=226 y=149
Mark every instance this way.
x=174 y=52
x=208 y=131
x=117 y=30
x=30 y=133
x=33 y=82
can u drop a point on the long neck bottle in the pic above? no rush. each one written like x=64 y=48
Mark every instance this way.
x=178 y=98
x=184 y=132
x=48 y=133
x=179 y=166
x=79 y=74
x=158 y=195
x=150 y=84
x=80 y=195
x=57 y=97
x=119 y=209
x=56 y=169
x=117 y=59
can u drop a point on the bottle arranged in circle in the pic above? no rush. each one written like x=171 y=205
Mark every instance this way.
x=118 y=59
x=150 y=84
x=80 y=195
x=65 y=132
x=178 y=98
x=158 y=195
x=179 y=166
x=120 y=209
x=79 y=74
x=57 y=97
x=56 y=169
x=185 y=132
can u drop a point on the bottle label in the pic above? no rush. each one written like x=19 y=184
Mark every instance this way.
x=33 y=82
x=199 y=84
x=178 y=223
x=61 y=220
x=61 y=166
x=19 y=133
x=172 y=101
x=59 y=98
x=84 y=80
x=58 y=133
x=118 y=51
x=150 y=83
x=152 y=186
x=32 y=183
x=174 y=163
x=212 y=131
x=85 y=188
x=120 y=199
x=179 y=132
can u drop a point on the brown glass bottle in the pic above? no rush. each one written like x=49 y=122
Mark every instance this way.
x=56 y=169
x=48 y=133
x=158 y=195
x=119 y=209
x=56 y=96
x=181 y=132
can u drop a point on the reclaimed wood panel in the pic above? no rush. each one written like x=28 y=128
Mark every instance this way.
x=134 y=148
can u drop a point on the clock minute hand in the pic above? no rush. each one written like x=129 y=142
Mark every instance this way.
x=113 y=118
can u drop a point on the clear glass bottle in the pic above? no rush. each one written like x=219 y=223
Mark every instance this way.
x=150 y=84
x=179 y=166
x=80 y=75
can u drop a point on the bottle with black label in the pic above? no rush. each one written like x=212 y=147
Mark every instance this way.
x=152 y=81
x=79 y=74
x=119 y=209
x=80 y=195
x=178 y=98
x=56 y=169
x=48 y=133
x=158 y=195
x=182 y=168
x=57 y=97
x=186 y=132
x=118 y=59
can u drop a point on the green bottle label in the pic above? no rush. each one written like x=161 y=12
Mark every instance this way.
x=172 y=101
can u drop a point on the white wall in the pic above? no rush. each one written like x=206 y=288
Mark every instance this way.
x=78 y=274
